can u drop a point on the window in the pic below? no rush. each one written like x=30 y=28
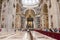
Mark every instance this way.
x=30 y=2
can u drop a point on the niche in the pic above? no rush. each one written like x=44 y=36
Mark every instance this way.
x=7 y=0
x=45 y=10
x=57 y=0
x=51 y=21
x=14 y=5
x=49 y=4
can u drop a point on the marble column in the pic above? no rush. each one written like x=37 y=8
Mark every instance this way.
x=54 y=12
x=10 y=10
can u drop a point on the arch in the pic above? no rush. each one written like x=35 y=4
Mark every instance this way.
x=28 y=9
x=29 y=12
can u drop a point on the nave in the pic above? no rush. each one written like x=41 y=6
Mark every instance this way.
x=26 y=35
x=41 y=15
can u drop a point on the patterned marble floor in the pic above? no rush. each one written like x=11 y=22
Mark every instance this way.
x=24 y=35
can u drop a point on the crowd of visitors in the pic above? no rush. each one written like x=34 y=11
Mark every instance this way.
x=57 y=30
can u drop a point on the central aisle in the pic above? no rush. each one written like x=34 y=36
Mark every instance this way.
x=24 y=35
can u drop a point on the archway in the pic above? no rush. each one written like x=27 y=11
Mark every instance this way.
x=29 y=14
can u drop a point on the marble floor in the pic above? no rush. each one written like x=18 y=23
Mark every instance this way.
x=24 y=35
